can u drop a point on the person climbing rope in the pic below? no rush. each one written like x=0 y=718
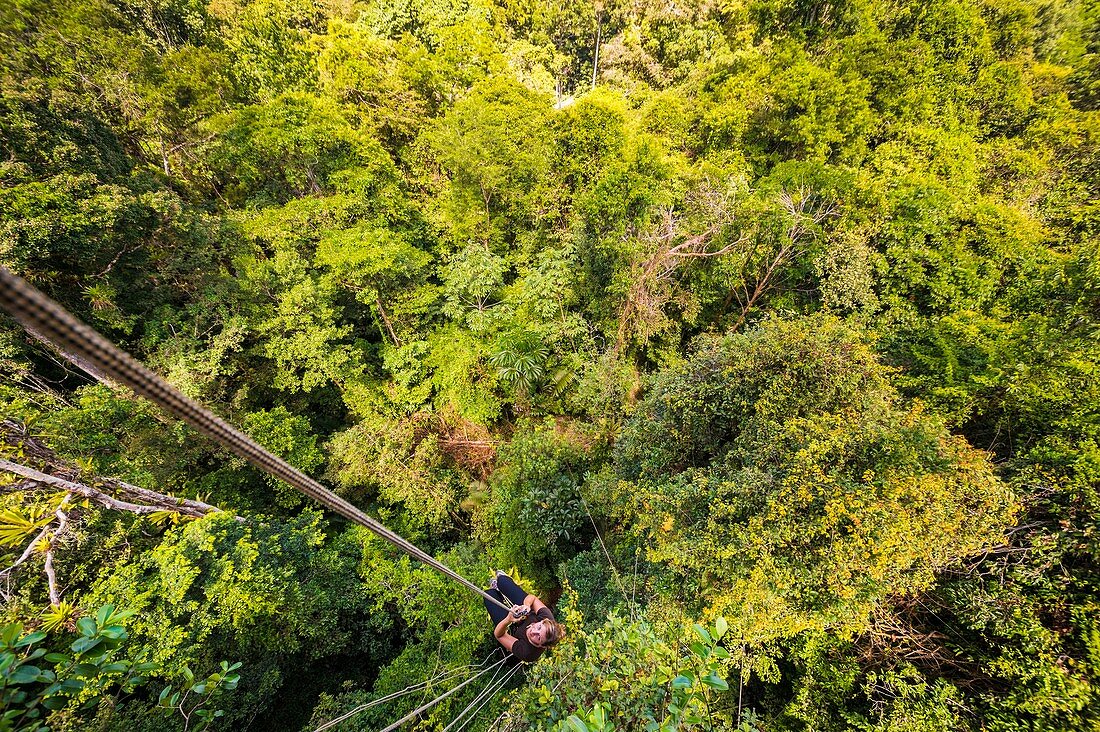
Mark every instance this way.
x=526 y=630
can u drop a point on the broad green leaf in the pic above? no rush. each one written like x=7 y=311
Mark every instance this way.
x=577 y=724
x=682 y=682
x=715 y=682
x=720 y=626
x=30 y=639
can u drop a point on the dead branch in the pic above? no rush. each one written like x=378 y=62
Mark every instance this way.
x=16 y=434
x=51 y=576
x=147 y=495
x=805 y=210
x=91 y=493
x=652 y=287
x=75 y=360
x=51 y=579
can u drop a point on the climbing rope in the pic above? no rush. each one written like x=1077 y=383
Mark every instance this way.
x=446 y=676
x=425 y=707
x=481 y=700
x=38 y=313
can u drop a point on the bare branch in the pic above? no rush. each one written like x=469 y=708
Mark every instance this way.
x=51 y=576
x=16 y=434
x=51 y=579
x=91 y=493
x=652 y=288
x=77 y=361
x=169 y=502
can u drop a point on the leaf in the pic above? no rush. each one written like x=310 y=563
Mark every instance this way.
x=702 y=633
x=10 y=633
x=71 y=686
x=30 y=639
x=720 y=626
x=682 y=682
x=577 y=724
x=16 y=527
x=86 y=670
x=103 y=613
x=87 y=627
x=715 y=682
x=24 y=675
x=83 y=645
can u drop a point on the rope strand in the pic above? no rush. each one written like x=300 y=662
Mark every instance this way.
x=425 y=707
x=439 y=678
x=485 y=697
x=39 y=313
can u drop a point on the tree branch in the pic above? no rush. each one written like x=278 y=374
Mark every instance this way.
x=51 y=576
x=94 y=494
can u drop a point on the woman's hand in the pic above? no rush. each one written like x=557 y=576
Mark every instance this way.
x=519 y=612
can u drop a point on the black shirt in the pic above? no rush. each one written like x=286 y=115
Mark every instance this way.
x=522 y=648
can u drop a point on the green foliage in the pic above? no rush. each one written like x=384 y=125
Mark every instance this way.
x=625 y=675
x=417 y=245
x=290 y=437
x=205 y=692
x=536 y=515
x=35 y=682
x=218 y=588
x=779 y=477
x=399 y=464
x=495 y=145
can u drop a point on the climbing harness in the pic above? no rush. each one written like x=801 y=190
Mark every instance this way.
x=36 y=312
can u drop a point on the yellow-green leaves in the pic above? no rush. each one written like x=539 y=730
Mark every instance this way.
x=17 y=524
x=794 y=491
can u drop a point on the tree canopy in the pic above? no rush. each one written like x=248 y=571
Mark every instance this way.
x=759 y=339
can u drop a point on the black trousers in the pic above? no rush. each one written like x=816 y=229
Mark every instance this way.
x=505 y=587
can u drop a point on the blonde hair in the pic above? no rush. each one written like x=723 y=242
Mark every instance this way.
x=553 y=632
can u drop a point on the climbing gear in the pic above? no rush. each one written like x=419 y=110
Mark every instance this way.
x=38 y=313
x=489 y=692
x=444 y=677
x=423 y=708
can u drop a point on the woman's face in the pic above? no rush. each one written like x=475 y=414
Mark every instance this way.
x=536 y=633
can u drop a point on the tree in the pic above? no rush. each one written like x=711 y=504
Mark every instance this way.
x=494 y=143
x=780 y=471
